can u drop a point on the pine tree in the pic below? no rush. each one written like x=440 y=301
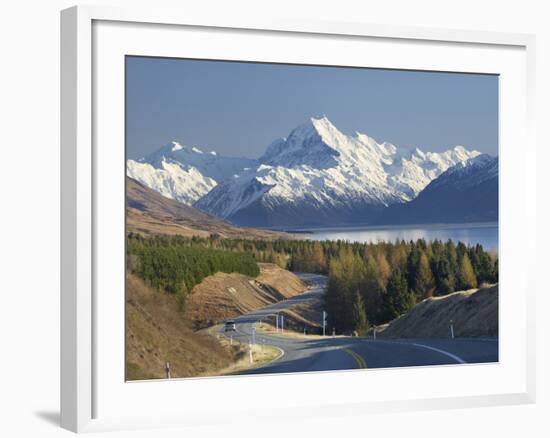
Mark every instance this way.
x=466 y=276
x=413 y=261
x=444 y=276
x=424 y=280
x=398 y=299
x=359 y=317
x=181 y=297
x=318 y=260
x=372 y=290
x=384 y=270
x=398 y=256
x=335 y=298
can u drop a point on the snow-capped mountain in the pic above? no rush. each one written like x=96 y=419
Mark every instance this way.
x=469 y=173
x=466 y=192
x=320 y=176
x=184 y=173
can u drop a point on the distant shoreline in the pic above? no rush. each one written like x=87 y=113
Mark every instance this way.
x=354 y=227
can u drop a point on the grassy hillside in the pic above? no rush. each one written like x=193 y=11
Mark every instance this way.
x=157 y=333
x=474 y=313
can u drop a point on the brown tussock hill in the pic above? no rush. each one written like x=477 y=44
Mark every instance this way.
x=226 y=296
x=148 y=212
x=157 y=332
x=283 y=282
x=474 y=313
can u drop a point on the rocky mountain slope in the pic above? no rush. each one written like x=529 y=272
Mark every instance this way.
x=467 y=192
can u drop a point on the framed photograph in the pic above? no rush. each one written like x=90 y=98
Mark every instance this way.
x=264 y=206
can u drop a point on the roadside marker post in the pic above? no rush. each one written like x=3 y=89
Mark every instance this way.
x=333 y=332
x=282 y=323
x=167 y=369
x=452 y=329
x=231 y=339
x=254 y=334
x=374 y=332
x=324 y=322
x=250 y=352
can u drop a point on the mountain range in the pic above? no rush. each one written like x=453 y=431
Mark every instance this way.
x=184 y=173
x=319 y=176
x=467 y=192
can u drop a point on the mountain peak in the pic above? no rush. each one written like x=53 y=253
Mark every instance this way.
x=176 y=146
x=313 y=143
x=323 y=125
x=315 y=126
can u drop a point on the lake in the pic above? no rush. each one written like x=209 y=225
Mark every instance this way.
x=484 y=233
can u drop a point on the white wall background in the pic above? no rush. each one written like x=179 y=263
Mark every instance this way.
x=29 y=215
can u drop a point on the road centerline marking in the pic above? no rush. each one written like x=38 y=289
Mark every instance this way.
x=362 y=364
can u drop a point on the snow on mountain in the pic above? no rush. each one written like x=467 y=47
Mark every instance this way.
x=210 y=164
x=466 y=192
x=184 y=173
x=318 y=175
x=172 y=180
x=468 y=173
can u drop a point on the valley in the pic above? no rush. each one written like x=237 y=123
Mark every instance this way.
x=211 y=240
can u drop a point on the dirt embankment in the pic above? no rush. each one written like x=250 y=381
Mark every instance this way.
x=300 y=318
x=280 y=281
x=474 y=313
x=224 y=296
x=157 y=333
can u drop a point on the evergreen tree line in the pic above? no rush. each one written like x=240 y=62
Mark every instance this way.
x=445 y=261
x=377 y=280
x=176 y=265
x=368 y=282
x=382 y=281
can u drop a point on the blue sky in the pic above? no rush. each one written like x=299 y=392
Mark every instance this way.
x=237 y=108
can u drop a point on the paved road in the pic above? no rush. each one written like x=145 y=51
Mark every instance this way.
x=340 y=353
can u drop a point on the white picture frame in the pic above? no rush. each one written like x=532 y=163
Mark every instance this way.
x=85 y=176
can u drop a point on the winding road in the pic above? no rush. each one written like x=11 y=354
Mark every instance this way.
x=340 y=353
